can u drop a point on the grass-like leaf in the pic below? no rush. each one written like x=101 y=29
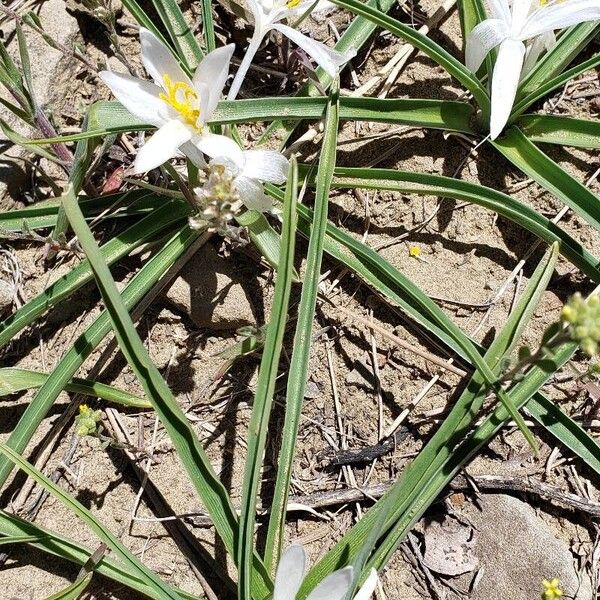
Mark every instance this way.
x=408 y=182
x=115 y=249
x=265 y=387
x=55 y=544
x=136 y=567
x=188 y=447
x=13 y=380
x=453 y=66
x=564 y=131
x=73 y=591
x=298 y=370
x=74 y=358
x=112 y=117
x=441 y=446
x=537 y=165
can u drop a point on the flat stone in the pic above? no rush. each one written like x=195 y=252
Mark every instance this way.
x=517 y=550
x=210 y=292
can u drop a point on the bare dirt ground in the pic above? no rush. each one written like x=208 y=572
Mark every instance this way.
x=359 y=382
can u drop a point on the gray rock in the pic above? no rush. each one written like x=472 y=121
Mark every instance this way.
x=517 y=550
x=210 y=292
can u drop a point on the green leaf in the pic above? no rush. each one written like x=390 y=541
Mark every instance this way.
x=298 y=369
x=265 y=387
x=19 y=140
x=408 y=182
x=112 y=117
x=548 y=86
x=74 y=358
x=426 y=45
x=542 y=169
x=136 y=567
x=55 y=544
x=565 y=131
x=565 y=430
x=43 y=214
x=118 y=247
x=210 y=489
x=73 y=591
x=430 y=461
x=552 y=63
x=182 y=37
x=14 y=380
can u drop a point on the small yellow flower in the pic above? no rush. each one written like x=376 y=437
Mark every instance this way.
x=86 y=422
x=551 y=589
x=414 y=251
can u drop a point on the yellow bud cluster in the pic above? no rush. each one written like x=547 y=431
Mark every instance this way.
x=583 y=319
x=86 y=422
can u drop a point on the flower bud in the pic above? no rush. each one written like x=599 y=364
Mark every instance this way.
x=583 y=320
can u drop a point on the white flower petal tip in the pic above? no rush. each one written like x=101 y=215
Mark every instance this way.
x=158 y=60
x=483 y=37
x=162 y=146
x=139 y=97
x=505 y=81
x=211 y=75
x=253 y=196
x=290 y=572
x=511 y=23
x=266 y=165
x=334 y=587
x=327 y=58
x=214 y=145
x=368 y=587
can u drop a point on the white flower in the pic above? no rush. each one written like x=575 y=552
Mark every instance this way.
x=290 y=573
x=246 y=170
x=179 y=106
x=268 y=15
x=508 y=27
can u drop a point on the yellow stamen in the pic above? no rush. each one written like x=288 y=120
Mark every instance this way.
x=292 y=3
x=184 y=99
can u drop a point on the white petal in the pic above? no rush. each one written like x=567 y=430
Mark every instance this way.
x=520 y=11
x=266 y=165
x=368 y=587
x=139 y=97
x=331 y=60
x=213 y=71
x=162 y=146
x=505 y=80
x=483 y=37
x=499 y=9
x=542 y=42
x=290 y=572
x=158 y=59
x=190 y=150
x=334 y=586
x=257 y=12
x=559 y=16
x=253 y=196
x=217 y=146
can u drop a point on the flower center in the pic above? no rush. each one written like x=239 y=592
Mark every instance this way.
x=184 y=99
x=292 y=3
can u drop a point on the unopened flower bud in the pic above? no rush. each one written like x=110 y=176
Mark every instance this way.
x=583 y=320
x=86 y=422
